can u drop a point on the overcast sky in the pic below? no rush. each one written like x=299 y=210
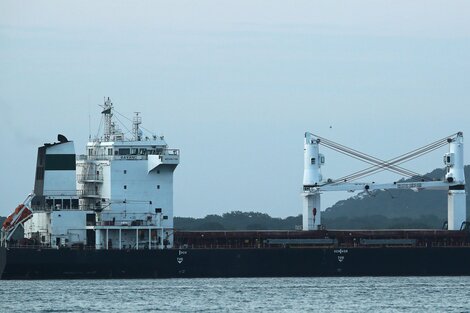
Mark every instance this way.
x=234 y=85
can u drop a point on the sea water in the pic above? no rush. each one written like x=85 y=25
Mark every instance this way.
x=337 y=294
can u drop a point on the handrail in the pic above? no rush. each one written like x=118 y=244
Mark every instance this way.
x=84 y=177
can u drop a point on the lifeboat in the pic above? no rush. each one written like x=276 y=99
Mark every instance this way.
x=20 y=214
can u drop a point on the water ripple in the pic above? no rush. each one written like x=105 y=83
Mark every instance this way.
x=343 y=294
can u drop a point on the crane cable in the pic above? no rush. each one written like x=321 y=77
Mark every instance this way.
x=378 y=168
x=381 y=165
x=398 y=160
x=373 y=160
x=389 y=165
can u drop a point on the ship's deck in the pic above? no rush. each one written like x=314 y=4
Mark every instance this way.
x=321 y=238
x=339 y=239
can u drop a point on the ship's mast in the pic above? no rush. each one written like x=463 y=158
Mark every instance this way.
x=108 y=116
x=137 y=120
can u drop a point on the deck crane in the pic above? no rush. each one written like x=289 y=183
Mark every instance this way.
x=314 y=184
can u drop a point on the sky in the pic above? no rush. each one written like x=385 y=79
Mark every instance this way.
x=234 y=85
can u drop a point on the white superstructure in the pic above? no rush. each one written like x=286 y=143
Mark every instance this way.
x=118 y=195
x=129 y=184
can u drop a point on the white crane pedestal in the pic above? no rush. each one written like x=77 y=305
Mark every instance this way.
x=311 y=218
x=456 y=209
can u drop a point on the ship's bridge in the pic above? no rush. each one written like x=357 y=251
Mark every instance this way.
x=131 y=150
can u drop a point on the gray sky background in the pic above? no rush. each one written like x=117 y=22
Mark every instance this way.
x=234 y=85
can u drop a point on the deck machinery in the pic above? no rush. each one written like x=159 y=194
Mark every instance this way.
x=314 y=185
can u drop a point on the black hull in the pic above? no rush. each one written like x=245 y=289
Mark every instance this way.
x=273 y=262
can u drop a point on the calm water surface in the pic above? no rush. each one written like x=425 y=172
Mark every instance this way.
x=363 y=294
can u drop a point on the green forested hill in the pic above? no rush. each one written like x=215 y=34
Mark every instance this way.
x=238 y=220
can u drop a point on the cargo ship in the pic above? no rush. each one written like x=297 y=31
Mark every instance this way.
x=109 y=214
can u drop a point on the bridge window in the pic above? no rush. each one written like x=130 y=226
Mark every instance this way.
x=312 y=160
x=124 y=151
